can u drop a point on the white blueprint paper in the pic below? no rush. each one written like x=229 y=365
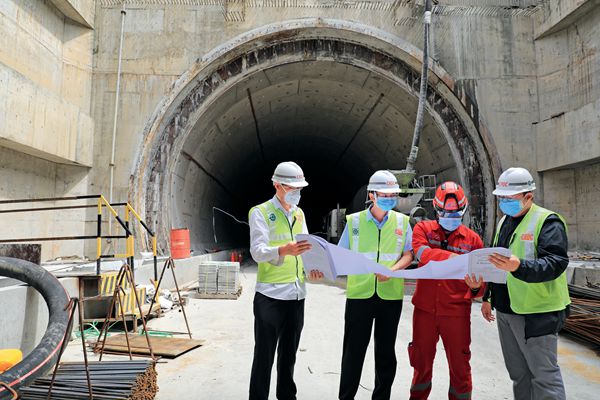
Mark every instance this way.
x=479 y=264
x=475 y=262
x=318 y=257
x=334 y=261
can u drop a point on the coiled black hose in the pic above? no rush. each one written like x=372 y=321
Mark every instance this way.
x=44 y=356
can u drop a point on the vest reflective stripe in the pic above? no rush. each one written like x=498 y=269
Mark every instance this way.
x=533 y=298
x=280 y=234
x=454 y=393
x=355 y=224
x=385 y=247
x=419 y=387
x=452 y=248
x=421 y=251
x=388 y=257
x=458 y=249
x=280 y=238
x=371 y=255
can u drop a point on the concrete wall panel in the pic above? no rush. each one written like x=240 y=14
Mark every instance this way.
x=42 y=123
x=45 y=116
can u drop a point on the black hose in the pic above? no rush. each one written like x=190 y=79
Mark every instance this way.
x=414 y=149
x=44 y=356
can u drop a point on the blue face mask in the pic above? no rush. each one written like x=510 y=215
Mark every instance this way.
x=510 y=207
x=450 y=224
x=386 y=203
x=292 y=197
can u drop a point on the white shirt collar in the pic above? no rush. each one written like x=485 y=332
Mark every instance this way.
x=372 y=218
x=277 y=204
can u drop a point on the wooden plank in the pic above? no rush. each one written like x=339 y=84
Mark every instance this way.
x=161 y=346
x=223 y=296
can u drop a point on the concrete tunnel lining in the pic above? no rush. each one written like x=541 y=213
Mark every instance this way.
x=310 y=95
x=306 y=111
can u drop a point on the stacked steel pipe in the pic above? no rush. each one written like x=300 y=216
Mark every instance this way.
x=584 y=321
x=131 y=380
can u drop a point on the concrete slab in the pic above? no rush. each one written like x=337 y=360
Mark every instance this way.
x=221 y=368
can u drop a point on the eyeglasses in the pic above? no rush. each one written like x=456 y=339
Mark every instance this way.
x=451 y=214
x=504 y=199
x=386 y=195
x=290 y=188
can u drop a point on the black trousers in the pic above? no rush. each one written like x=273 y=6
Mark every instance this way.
x=277 y=325
x=360 y=315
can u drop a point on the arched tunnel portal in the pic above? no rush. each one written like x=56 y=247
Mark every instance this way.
x=338 y=98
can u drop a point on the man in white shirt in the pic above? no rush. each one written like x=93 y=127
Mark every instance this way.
x=280 y=287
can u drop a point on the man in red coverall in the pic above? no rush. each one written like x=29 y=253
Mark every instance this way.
x=443 y=307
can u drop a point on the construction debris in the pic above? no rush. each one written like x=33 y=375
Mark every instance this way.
x=131 y=380
x=587 y=256
x=584 y=321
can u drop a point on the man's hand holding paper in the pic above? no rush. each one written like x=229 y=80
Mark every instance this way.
x=506 y=263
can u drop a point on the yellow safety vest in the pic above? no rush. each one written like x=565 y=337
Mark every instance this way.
x=384 y=246
x=533 y=298
x=281 y=232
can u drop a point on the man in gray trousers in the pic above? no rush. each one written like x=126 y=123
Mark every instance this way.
x=534 y=303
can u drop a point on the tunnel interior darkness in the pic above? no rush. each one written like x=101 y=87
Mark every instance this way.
x=340 y=122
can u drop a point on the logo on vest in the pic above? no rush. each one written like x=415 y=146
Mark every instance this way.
x=272 y=217
x=355 y=231
x=399 y=232
x=528 y=237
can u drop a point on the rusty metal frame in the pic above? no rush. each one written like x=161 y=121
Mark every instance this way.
x=170 y=264
x=12 y=391
x=124 y=273
x=74 y=304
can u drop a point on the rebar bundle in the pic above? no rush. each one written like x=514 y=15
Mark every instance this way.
x=584 y=321
x=581 y=292
x=110 y=380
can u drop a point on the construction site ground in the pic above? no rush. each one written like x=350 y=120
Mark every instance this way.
x=221 y=368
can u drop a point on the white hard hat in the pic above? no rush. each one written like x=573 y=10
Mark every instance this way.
x=383 y=181
x=289 y=173
x=514 y=181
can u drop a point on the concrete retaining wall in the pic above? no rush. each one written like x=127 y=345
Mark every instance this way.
x=24 y=315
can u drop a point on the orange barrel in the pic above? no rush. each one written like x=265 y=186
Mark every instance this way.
x=180 y=243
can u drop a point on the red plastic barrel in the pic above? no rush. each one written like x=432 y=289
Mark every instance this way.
x=180 y=243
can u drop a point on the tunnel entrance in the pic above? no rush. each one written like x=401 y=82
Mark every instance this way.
x=339 y=101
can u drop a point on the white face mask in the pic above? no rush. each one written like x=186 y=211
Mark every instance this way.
x=292 y=197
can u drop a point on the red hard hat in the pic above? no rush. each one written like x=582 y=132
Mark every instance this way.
x=450 y=196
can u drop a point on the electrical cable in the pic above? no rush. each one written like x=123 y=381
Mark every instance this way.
x=414 y=150
x=226 y=213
